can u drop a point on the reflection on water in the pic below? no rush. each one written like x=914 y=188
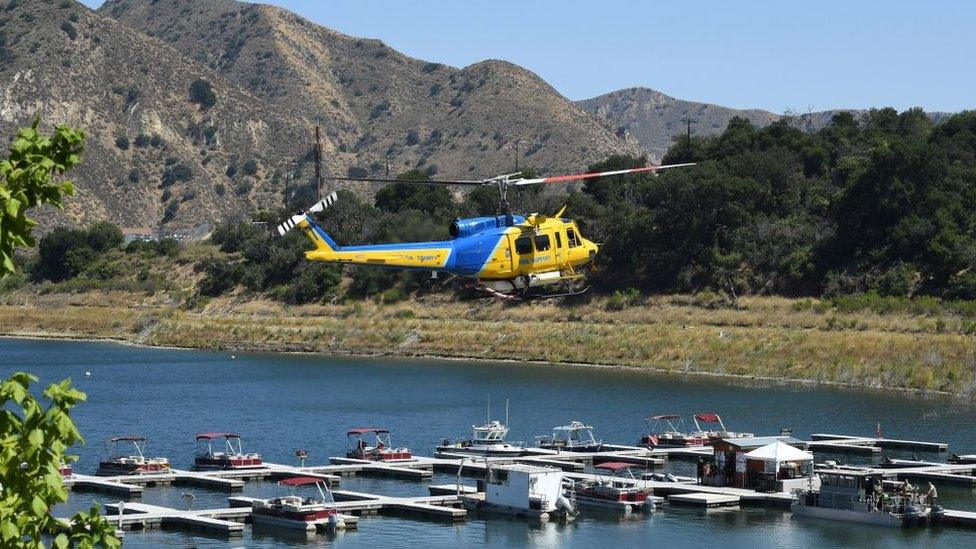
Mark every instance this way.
x=283 y=403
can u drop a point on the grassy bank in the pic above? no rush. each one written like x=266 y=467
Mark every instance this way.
x=761 y=337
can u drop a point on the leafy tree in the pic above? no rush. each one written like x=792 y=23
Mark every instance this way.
x=202 y=93
x=430 y=199
x=28 y=178
x=34 y=440
x=33 y=447
x=102 y=236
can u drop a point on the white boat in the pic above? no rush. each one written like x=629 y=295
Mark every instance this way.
x=525 y=491
x=294 y=512
x=486 y=440
x=575 y=437
x=856 y=496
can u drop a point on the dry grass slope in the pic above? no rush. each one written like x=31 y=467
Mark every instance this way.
x=761 y=338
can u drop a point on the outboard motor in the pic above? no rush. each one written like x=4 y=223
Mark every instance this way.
x=336 y=523
x=649 y=503
x=563 y=503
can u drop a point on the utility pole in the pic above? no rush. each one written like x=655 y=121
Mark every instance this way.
x=318 y=163
x=688 y=122
x=517 y=141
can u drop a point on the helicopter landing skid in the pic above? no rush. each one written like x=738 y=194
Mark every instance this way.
x=482 y=291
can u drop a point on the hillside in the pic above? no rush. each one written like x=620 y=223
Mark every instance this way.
x=655 y=119
x=152 y=153
x=376 y=104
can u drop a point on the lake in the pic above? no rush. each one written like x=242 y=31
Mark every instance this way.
x=282 y=403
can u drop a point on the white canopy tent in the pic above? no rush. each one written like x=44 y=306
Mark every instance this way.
x=777 y=453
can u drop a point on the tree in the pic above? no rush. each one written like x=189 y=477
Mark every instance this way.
x=33 y=446
x=202 y=93
x=28 y=179
x=34 y=441
x=430 y=199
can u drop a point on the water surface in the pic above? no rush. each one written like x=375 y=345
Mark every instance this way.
x=282 y=403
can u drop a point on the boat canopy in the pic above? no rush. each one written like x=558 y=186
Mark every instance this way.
x=708 y=418
x=211 y=436
x=664 y=416
x=128 y=438
x=614 y=466
x=366 y=431
x=299 y=481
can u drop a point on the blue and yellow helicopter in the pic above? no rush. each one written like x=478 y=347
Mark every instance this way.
x=508 y=256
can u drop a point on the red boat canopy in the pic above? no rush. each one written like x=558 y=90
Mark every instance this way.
x=614 y=466
x=708 y=418
x=665 y=416
x=208 y=436
x=299 y=481
x=128 y=438
x=365 y=431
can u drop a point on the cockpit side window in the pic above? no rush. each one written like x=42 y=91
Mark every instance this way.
x=523 y=245
x=571 y=238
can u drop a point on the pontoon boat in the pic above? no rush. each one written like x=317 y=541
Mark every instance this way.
x=610 y=492
x=666 y=431
x=135 y=463
x=711 y=434
x=374 y=445
x=294 y=512
x=232 y=457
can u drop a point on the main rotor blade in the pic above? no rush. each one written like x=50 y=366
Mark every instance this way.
x=595 y=175
x=421 y=181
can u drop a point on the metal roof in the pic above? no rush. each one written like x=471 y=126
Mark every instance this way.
x=755 y=442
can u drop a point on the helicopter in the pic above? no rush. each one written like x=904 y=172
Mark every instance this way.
x=507 y=256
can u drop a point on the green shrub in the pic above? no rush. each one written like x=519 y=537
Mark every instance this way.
x=621 y=300
x=202 y=93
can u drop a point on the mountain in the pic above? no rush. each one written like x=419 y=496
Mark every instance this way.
x=152 y=154
x=376 y=104
x=655 y=119
x=196 y=111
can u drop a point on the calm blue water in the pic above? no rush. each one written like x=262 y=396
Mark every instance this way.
x=284 y=403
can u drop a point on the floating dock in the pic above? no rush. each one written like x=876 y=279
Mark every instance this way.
x=867 y=446
x=704 y=499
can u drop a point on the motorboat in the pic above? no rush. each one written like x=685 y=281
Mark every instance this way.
x=231 y=457
x=525 y=491
x=860 y=496
x=962 y=458
x=486 y=440
x=608 y=490
x=667 y=431
x=294 y=512
x=575 y=437
x=710 y=435
x=134 y=462
x=374 y=444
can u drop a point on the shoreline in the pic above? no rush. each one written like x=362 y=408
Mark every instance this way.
x=738 y=379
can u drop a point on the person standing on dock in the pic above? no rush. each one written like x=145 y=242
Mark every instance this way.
x=701 y=469
x=932 y=495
